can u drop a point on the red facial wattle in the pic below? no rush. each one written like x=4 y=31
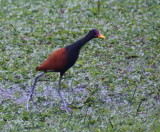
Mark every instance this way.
x=98 y=35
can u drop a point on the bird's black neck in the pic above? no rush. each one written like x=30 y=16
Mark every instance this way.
x=82 y=41
x=78 y=44
x=73 y=51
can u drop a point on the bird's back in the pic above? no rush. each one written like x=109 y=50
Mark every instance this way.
x=55 y=62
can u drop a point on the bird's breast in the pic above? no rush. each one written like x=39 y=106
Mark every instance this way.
x=72 y=56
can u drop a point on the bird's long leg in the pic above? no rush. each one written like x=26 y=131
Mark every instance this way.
x=59 y=92
x=33 y=86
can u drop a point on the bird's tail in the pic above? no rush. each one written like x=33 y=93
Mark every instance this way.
x=39 y=68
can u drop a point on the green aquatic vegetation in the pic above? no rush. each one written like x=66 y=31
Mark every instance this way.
x=115 y=83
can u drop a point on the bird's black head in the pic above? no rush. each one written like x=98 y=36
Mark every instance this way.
x=94 y=33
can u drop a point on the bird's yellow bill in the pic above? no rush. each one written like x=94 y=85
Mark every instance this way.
x=101 y=36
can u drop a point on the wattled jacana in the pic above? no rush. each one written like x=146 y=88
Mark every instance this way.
x=63 y=59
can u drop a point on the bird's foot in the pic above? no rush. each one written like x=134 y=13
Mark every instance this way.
x=30 y=98
x=67 y=109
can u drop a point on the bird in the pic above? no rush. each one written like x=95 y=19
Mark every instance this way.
x=63 y=59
